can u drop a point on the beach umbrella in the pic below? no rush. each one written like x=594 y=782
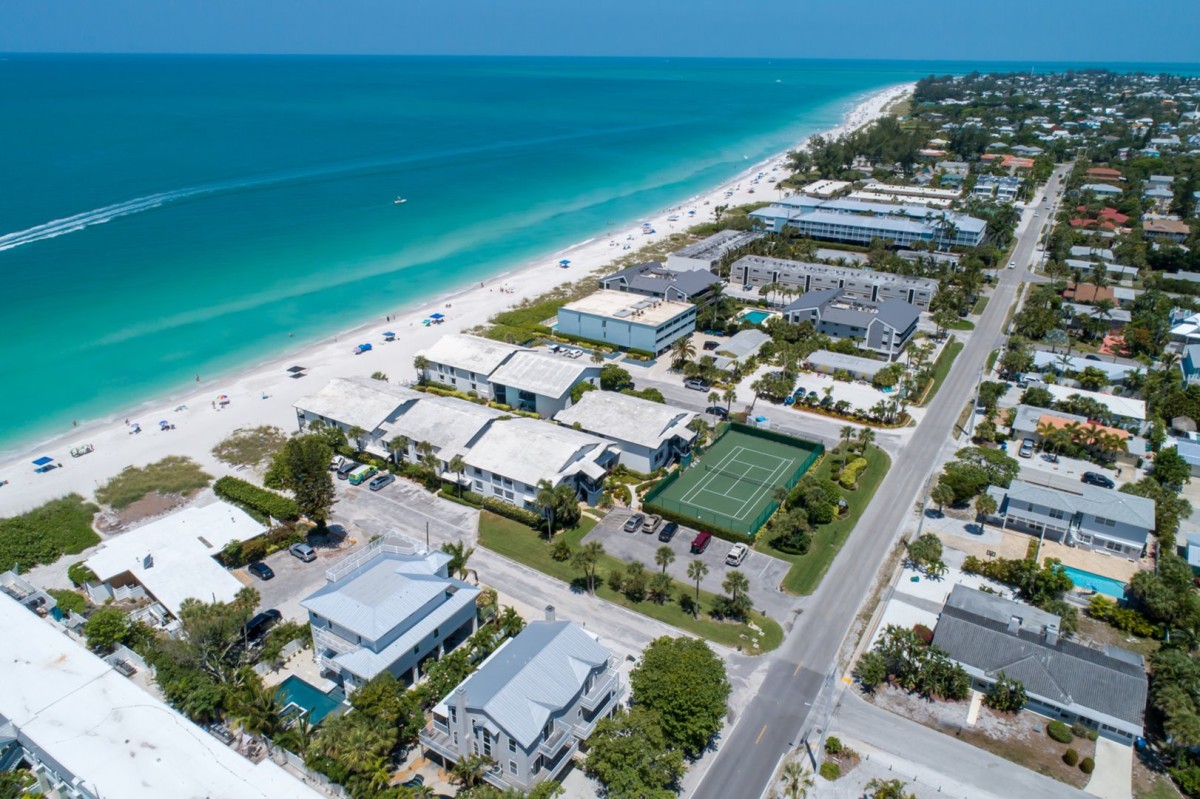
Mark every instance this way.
x=565 y=262
x=43 y=461
x=436 y=316
x=294 y=369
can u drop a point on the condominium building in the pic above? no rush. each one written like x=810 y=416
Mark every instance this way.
x=759 y=270
x=859 y=222
x=616 y=318
x=707 y=254
x=881 y=327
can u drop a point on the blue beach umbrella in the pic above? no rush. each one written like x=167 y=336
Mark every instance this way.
x=565 y=262
x=42 y=461
x=436 y=316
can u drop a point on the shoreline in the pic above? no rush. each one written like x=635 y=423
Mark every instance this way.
x=258 y=391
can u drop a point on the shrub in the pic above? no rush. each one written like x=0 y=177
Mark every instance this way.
x=622 y=494
x=924 y=633
x=78 y=573
x=830 y=770
x=833 y=745
x=171 y=475
x=1087 y=765
x=1070 y=757
x=258 y=500
x=1078 y=730
x=1059 y=732
x=250 y=447
x=796 y=542
x=560 y=550
x=68 y=600
x=46 y=533
x=254 y=549
x=508 y=511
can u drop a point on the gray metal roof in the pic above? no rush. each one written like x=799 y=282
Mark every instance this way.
x=849 y=363
x=654 y=278
x=743 y=343
x=471 y=353
x=842 y=272
x=856 y=313
x=719 y=243
x=1089 y=499
x=532 y=677
x=447 y=423
x=529 y=450
x=625 y=418
x=357 y=401
x=1110 y=682
x=381 y=595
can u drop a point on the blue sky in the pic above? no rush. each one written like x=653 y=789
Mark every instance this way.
x=973 y=30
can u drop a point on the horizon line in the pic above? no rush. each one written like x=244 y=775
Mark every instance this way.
x=155 y=54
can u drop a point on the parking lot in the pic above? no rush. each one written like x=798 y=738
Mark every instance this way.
x=359 y=515
x=763 y=571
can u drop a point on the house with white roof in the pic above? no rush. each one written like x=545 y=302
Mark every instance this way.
x=649 y=435
x=465 y=362
x=348 y=402
x=173 y=559
x=1101 y=189
x=539 y=382
x=1123 y=409
x=529 y=705
x=1084 y=515
x=648 y=324
x=85 y=731
x=388 y=608
x=510 y=457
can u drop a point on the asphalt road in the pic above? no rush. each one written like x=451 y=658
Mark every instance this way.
x=779 y=714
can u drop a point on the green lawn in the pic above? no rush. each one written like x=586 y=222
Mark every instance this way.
x=980 y=304
x=941 y=368
x=518 y=542
x=807 y=570
x=961 y=324
x=991 y=361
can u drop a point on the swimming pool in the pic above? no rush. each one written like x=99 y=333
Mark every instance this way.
x=295 y=691
x=1096 y=582
x=756 y=317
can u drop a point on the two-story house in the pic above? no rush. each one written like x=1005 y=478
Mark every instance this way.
x=652 y=279
x=466 y=362
x=882 y=327
x=650 y=435
x=387 y=609
x=1086 y=516
x=529 y=705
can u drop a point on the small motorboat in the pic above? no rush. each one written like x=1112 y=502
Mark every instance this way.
x=400 y=201
x=77 y=452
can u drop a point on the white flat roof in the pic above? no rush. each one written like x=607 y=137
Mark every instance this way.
x=447 y=423
x=632 y=308
x=625 y=418
x=530 y=450
x=108 y=732
x=542 y=374
x=1121 y=406
x=471 y=353
x=172 y=557
x=356 y=401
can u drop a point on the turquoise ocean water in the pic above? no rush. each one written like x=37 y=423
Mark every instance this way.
x=164 y=217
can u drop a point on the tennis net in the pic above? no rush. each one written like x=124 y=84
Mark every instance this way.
x=740 y=477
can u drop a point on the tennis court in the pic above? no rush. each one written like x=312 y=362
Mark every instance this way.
x=732 y=484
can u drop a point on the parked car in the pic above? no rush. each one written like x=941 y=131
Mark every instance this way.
x=382 y=480
x=1026 y=450
x=711 y=345
x=260 y=570
x=343 y=471
x=651 y=524
x=1097 y=479
x=258 y=626
x=695 y=384
x=701 y=542
x=717 y=411
x=1012 y=264
x=336 y=463
x=362 y=474
x=737 y=555
x=634 y=523
x=668 y=531
x=303 y=551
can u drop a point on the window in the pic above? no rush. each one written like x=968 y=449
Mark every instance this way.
x=456 y=739
x=1105 y=522
x=478 y=485
x=512 y=745
x=1056 y=513
x=436 y=632
x=512 y=766
x=454 y=715
x=487 y=744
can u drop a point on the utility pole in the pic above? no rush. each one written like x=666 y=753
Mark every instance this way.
x=974 y=405
x=921 y=511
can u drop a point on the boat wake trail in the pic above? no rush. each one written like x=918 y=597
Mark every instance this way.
x=98 y=216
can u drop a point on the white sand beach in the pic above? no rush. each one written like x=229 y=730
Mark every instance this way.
x=264 y=394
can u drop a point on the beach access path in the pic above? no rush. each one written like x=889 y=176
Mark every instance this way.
x=264 y=394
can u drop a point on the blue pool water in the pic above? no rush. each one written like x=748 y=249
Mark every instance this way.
x=1096 y=582
x=296 y=691
x=756 y=317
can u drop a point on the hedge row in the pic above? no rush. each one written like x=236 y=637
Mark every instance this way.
x=679 y=518
x=849 y=475
x=257 y=499
x=498 y=507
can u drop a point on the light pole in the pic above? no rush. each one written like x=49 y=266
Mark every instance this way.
x=974 y=405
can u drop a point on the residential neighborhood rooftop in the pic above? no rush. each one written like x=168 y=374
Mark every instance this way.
x=628 y=307
x=471 y=353
x=357 y=401
x=528 y=449
x=625 y=418
x=541 y=373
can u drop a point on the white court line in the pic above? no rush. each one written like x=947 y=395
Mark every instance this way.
x=705 y=481
x=754 y=497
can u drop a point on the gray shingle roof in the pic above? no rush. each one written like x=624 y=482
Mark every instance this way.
x=533 y=676
x=895 y=313
x=1089 y=499
x=656 y=279
x=1111 y=682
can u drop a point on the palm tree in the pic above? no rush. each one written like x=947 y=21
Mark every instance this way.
x=597 y=356
x=459 y=554
x=357 y=434
x=797 y=780
x=468 y=771
x=586 y=559
x=660 y=586
x=421 y=364
x=713 y=398
x=696 y=571
x=682 y=351
x=510 y=622
x=1045 y=431
x=458 y=466
x=664 y=556
x=258 y=709
x=943 y=495
x=730 y=396
x=866 y=437
x=547 y=503
x=847 y=432
x=398 y=447
x=985 y=506
x=736 y=585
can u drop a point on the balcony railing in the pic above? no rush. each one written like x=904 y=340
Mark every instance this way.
x=595 y=697
x=551 y=745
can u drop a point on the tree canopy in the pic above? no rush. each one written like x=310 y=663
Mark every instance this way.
x=684 y=682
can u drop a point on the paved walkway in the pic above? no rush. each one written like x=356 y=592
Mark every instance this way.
x=1113 y=776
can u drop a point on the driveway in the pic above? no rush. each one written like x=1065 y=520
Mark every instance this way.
x=1113 y=777
x=407 y=508
x=294 y=579
x=764 y=572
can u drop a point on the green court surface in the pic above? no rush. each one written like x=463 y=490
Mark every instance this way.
x=731 y=485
